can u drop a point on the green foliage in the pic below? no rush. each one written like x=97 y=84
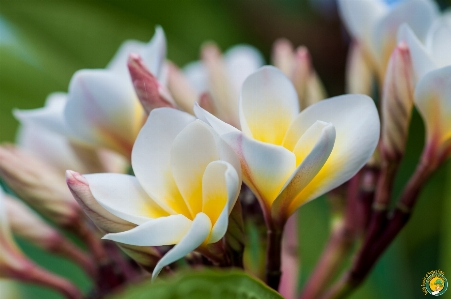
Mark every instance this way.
x=204 y=284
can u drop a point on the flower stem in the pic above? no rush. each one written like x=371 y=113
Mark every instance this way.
x=273 y=257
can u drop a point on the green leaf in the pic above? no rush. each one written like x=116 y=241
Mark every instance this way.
x=204 y=284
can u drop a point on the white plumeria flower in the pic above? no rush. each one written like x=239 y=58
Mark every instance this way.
x=187 y=181
x=102 y=109
x=56 y=150
x=287 y=158
x=431 y=61
x=374 y=24
x=216 y=80
x=434 y=53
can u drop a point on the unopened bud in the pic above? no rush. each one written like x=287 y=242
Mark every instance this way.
x=40 y=185
x=397 y=103
x=25 y=223
x=307 y=83
x=220 y=86
x=183 y=93
x=359 y=77
x=151 y=93
x=283 y=56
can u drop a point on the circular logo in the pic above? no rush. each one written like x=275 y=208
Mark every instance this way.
x=435 y=283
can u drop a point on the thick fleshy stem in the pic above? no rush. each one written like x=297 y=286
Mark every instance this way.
x=273 y=257
x=368 y=256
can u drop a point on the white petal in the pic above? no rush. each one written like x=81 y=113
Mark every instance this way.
x=103 y=110
x=220 y=189
x=312 y=151
x=153 y=54
x=240 y=62
x=220 y=127
x=433 y=100
x=268 y=105
x=155 y=232
x=359 y=16
x=151 y=157
x=192 y=150
x=421 y=59
x=439 y=43
x=357 y=128
x=197 y=234
x=50 y=117
x=418 y=14
x=122 y=195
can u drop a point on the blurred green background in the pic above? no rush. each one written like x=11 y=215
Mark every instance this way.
x=43 y=42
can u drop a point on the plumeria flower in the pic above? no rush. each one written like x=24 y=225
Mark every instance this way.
x=101 y=108
x=14 y=264
x=287 y=158
x=373 y=24
x=434 y=52
x=297 y=65
x=187 y=181
x=215 y=80
x=432 y=66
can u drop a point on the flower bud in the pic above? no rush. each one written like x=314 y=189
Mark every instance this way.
x=108 y=223
x=397 y=103
x=151 y=93
x=307 y=83
x=40 y=185
x=359 y=77
x=184 y=94
x=26 y=224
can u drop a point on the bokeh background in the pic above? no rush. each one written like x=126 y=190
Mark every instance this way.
x=43 y=42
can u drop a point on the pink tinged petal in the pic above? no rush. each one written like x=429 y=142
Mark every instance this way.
x=154 y=54
x=438 y=42
x=433 y=100
x=102 y=110
x=192 y=150
x=418 y=14
x=119 y=62
x=220 y=127
x=206 y=102
x=123 y=196
x=184 y=94
x=198 y=233
x=283 y=56
x=421 y=60
x=312 y=151
x=241 y=61
x=151 y=93
x=268 y=105
x=167 y=230
x=357 y=126
x=103 y=219
x=151 y=159
x=220 y=188
x=359 y=76
x=50 y=117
